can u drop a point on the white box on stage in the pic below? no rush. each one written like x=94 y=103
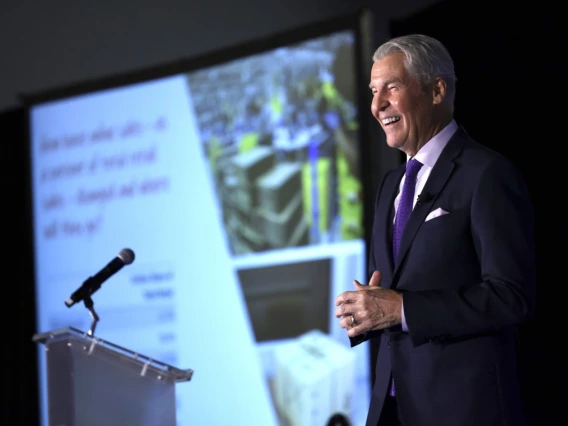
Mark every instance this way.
x=314 y=379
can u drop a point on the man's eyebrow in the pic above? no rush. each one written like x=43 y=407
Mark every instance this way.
x=386 y=82
x=391 y=80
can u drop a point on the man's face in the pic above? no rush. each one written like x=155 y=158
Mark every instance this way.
x=404 y=110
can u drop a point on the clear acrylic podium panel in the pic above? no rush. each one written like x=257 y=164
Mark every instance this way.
x=91 y=382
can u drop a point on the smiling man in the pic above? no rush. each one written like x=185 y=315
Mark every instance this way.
x=452 y=261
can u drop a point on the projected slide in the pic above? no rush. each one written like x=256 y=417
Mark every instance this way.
x=238 y=188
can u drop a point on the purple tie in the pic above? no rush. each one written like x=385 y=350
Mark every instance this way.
x=403 y=213
x=405 y=204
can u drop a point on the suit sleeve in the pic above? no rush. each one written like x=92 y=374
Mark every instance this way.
x=502 y=228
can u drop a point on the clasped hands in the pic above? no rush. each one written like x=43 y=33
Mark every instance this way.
x=369 y=307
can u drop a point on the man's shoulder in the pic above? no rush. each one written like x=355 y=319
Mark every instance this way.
x=475 y=153
x=480 y=163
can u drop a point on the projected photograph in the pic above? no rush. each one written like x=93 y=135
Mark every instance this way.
x=311 y=374
x=284 y=300
x=279 y=130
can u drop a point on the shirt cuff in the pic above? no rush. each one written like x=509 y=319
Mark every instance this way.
x=404 y=326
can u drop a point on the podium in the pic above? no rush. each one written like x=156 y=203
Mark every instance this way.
x=91 y=382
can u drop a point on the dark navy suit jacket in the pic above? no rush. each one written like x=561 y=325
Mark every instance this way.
x=468 y=278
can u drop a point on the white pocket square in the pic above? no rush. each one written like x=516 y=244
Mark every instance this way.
x=435 y=213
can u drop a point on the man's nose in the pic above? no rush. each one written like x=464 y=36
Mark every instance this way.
x=378 y=103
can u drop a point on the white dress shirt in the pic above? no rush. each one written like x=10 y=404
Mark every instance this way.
x=427 y=155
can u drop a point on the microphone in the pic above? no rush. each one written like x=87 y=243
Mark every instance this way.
x=92 y=284
x=423 y=197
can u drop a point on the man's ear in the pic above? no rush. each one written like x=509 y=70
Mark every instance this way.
x=438 y=91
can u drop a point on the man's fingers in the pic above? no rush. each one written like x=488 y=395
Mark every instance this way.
x=345 y=297
x=375 y=279
x=346 y=322
x=344 y=305
x=358 y=285
x=374 y=282
x=356 y=330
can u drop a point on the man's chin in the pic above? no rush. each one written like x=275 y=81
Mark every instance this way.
x=393 y=142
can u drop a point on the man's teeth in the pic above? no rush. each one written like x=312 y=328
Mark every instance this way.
x=390 y=120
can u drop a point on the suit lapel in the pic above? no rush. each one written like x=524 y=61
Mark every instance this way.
x=386 y=214
x=436 y=181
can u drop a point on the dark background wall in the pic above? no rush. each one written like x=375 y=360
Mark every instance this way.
x=511 y=71
x=50 y=44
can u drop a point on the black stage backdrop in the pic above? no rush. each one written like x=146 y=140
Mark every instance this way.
x=19 y=370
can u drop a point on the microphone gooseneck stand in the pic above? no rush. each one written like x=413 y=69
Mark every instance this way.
x=90 y=305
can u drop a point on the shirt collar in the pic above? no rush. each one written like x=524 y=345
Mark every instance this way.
x=429 y=153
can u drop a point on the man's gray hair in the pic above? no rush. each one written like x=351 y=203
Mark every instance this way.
x=426 y=59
